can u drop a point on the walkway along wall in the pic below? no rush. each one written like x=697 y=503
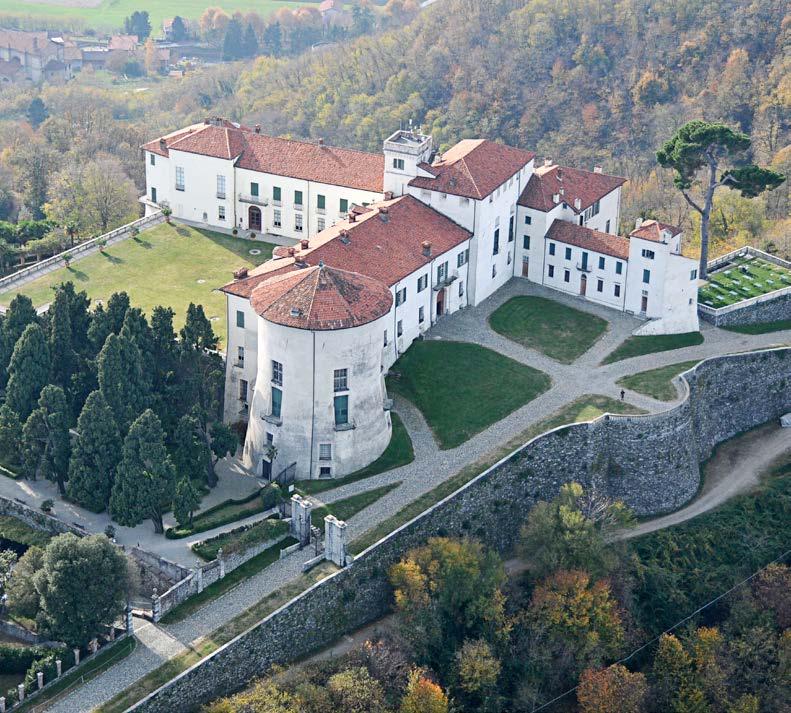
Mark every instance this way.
x=652 y=462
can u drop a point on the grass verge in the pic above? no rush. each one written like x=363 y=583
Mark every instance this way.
x=200 y=648
x=638 y=346
x=584 y=408
x=656 y=383
x=761 y=327
x=560 y=332
x=346 y=508
x=398 y=452
x=463 y=388
x=229 y=581
x=240 y=538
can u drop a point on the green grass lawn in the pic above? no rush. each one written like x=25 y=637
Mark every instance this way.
x=398 y=452
x=638 y=346
x=463 y=388
x=560 y=332
x=656 y=383
x=167 y=265
x=110 y=14
x=761 y=327
x=742 y=279
x=344 y=509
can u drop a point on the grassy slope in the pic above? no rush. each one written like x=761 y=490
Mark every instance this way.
x=344 y=509
x=161 y=266
x=656 y=383
x=463 y=388
x=560 y=332
x=638 y=346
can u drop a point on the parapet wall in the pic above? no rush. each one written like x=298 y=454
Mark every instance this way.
x=651 y=462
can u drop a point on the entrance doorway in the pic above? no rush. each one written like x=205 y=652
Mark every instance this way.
x=583 y=285
x=440 y=303
x=644 y=304
x=525 y=266
x=254 y=218
x=266 y=469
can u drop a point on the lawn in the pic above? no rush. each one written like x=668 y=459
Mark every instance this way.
x=585 y=408
x=761 y=327
x=346 y=508
x=167 y=265
x=110 y=14
x=240 y=539
x=741 y=279
x=398 y=452
x=560 y=332
x=656 y=383
x=462 y=388
x=638 y=346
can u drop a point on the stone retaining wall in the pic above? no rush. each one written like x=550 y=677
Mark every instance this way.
x=652 y=462
x=37 y=519
x=772 y=307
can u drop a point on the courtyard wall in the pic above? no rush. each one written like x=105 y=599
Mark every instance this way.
x=652 y=462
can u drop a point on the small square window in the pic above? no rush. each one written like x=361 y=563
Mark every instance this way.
x=325 y=451
x=648 y=254
x=528 y=220
x=398 y=164
x=325 y=472
x=221 y=212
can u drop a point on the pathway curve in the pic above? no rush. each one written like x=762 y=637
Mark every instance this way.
x=433 y=466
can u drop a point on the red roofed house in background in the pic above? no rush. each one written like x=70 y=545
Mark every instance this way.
x=373 y=250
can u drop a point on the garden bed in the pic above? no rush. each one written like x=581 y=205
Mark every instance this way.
x=741 y=279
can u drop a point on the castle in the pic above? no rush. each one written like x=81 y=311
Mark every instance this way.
x=375 y=248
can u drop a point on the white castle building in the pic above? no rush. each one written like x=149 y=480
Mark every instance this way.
x=374 y=250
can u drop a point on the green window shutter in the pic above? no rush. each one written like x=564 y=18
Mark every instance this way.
x=321 y=202
x=341 y=410
x=276 y=193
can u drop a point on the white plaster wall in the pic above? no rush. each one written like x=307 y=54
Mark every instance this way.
x=609 y=210
x=246 y=337
x=307 y=416
x=199 y=196
x=458 y=209
x=655 y=289
x=158 y=176
x=679 y=311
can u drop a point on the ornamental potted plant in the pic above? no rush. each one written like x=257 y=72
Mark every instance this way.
x=102 y=245
x=167 y=212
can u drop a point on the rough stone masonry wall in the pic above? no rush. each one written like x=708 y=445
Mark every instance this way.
x=36 y=519
x=652 y=462
x=774 y=309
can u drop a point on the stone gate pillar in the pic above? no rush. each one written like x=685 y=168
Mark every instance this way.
x=335 y=540
x=300 y=519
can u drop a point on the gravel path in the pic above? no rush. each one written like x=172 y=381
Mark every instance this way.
x=432 y=465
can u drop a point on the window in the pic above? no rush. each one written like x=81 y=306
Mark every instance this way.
x=243 y=390
x=442 y=272
x=340 y=380
x=344 y=205
x=398 y=164
x=648 y=254
x=528 y=220
x=646 y=276
x=277 y=218
x=494 y=271
x=461 y=289
x=599 y=285
x=385 y=337
x=152 y=159
x=511 y=229
x=153 y=194
x=341 y=404
x=270 y=438
x=693 y=275
x=220 y=186
x=254 y=189
x=298 y=222
x=591 y=211
x=617 y=290
x=400 y=296
x=462 y=258
x=568 y=253
x=618 y=268
x=277 y=373
x=325 y=472
x=496 y=242
x=422 y=283
x=320 y=224
x=220 y=212
x=321 y=202
x=550 y=270
x=277 y=402
x=601 y=263
x=607 y=227
x=421 y=315
x=552 y=248
x=298 y=198
x=240 y=318
x=325 y=451
x=526 y=242
x=464 y=201
x=584 y=260
x=240 y=356
x=566 y=276
x=399 y=327
x=179 y=178
x=276 y=194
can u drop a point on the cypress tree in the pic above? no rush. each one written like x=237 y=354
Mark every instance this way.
x=137 y=331
x=185 y=502
x=191 y=456
x=145 y=479
x=20 y=314
x=79 y=316
x=197 y=332
x=28 y=371
x=96 y=455
x=232 y=44
x=45 y=438
x=60 y=340
x=250 y=42
x=121 y=380
x=10 y=434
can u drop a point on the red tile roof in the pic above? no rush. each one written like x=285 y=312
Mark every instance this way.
x=473 y=168
x=321 y=298
x=123 y=42
x=594 y=240
x=281 y=157
x=652 y=230
x=548 y=181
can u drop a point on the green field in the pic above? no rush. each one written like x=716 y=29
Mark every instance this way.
x=110 y=14
x=167 y=265
x=742 y=279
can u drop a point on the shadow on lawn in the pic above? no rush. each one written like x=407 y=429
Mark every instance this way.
x=112 y=258
x=143 y=243
x=78 y=274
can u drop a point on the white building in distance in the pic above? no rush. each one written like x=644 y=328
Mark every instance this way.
x=374 y=250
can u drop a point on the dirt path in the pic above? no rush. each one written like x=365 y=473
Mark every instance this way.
x=736 y=467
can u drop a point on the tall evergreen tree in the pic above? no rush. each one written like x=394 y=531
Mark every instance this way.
x=185 y=501
x=45 y=438
x=232 y=44
x=37 y=112
x=178 y=30
x=197 y=332
x=273 y=40
x=10 y=434
x=137 y=331
x=28 y=371
x=60 y=341
x=108 y=320
x=145 y=479
x=96 y=455
x=121 y=381
x=250 y=42
x=224 y=442
x=191 y=455
x=79 y=316
x=138 y=23
x=20 y=314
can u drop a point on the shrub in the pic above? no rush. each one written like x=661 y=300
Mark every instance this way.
x=109 y=531
x=47 y=505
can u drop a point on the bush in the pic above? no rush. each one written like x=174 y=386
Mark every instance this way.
x=46 y=665
x=47 y=505
x=109 y=531
x=18 y=659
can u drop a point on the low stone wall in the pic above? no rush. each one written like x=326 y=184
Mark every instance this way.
x=37 y=519
x=652 y=462
x=772 y=307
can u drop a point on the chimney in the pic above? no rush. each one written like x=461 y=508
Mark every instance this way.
x=426 y=248
x=578 y=203
x=560 y=173
x=304 y=244
x=257 y=128
x=291 y=252
x=597 y=169
x=163 y=144
x=352 y=217
x=384 y=214
x=556 y=198
x=547 y=161
x=638 y=222
x=388 y=195
x=345 y=237
x=562 y=191
x=240 y=274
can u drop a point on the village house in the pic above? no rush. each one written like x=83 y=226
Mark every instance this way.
x=32 y=57
x=374 y=249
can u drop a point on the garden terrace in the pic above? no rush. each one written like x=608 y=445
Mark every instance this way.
x=741 y=279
